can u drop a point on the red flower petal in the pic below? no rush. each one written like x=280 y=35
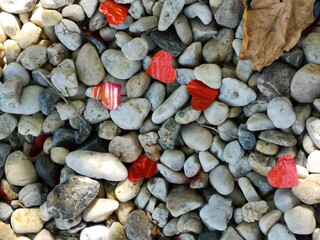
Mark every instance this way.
x=202 y=95
x=115 y=13
x=109 y=94
x=161 y=68
x=37 y=146
x=284 y=175
x=143 y=167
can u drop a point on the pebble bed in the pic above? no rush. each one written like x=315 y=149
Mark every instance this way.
x=211 y=165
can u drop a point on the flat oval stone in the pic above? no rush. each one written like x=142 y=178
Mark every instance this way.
x=278 y=137
x=99 y=210
x=196 y=137
x=97 y=165
x=221 y=179
x=69 y=34
x=280 y=111
x=118 y=65
x=130 y=114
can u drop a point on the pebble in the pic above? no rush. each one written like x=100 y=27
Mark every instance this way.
x=97 y=21
x=187 y=115
x=217 y=113
x=275 y=80
x=280 y=108
x=47 y=170
x=280 y=231
x=191 y=166
x=217 y=147
x=249 y=230
x=95 y=232
x=312 y=125
x=160 y=215
x=5 y=150
x=190 y=222
x=126 y=147
x=174 y=159
x=64 y=78
x=143 y=197
x=150 y=146
x=209 y=74
x=26 y=220
x=10 y=25
x=279 y=138
x=191 y=56
x=66 y=112
x=293 y=220
x=219 y=49
x=222 y=180
x=230 y=233
x=313 y=162
x=182 y=199
x=99 y=210
x=29 y=35
x=69 y=34
x=10 y=92
x=229 y=13
x=196 y=137
x=302 y=114
x=171 y=105
x=80 y=192
x=5 y=212
x=97 y=165
x=124 y=210
x=207 y=161
x=138 y=226
x=233 y=152
x=138 y=85
x=140 y=46
x=248 y=190
x=136 y=9
x=306 y=78
x=171 y=228
x=108 y=130
x=267 y=148
x=285 y=200
x=90 y=70
x=168 y=41
x=73 y=12
x=18 y=7
x=228 y=131
x=12 y=50
x=94 y=111
x=52 y=123
x=156 y=92
x=172 y=176
x=184 y=75
x=159 y=188
x=202 y=11
x=33 y=57
x=254 y=211
x=118 y=65
x=309 y=47
x=260 y=163
x=308 y=189
x=247 y=139
x=32 y=195
x=127 y=190
x=144 y=24
x=137 y=109
x=295 y=58
x=259 y=122
x=44 y=234
x=260 y=182
x=19 y=169
x=269 y=220
x=236 y=93
x=170 y=11
x=8 y=123
x=15 y=69
x=217 y=213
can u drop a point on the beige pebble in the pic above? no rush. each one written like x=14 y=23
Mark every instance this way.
x=26 y=220
x=58 y=155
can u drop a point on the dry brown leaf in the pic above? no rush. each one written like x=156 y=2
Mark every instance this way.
x=271 y=27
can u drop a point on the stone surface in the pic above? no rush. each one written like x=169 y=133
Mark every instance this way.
x=69 y=34
x=254 y=211
x=280 y=111
x=99 y=210
x=138 y=226
x=222 y=180
x=26 y=220
x=308 y=189
x=196 y=137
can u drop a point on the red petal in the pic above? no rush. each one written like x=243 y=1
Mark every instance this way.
x=202 y=95
x=115 y=13
x=143 y=167
x=284 y=175
x=161 y=68
x=37 y=146
x=109 y=94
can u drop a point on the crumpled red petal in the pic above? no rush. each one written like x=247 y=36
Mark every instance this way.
x=161 y=67
x=115 y=13
x=143 y=167
x=202 y=95
x=284 y=175
x=109 y=94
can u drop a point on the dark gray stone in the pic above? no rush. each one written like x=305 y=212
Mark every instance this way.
x=275 y=80
x=279 y=138
x=169 y=134
x=94 y=143
x=212 y=235
x=247 y=139
x=48 y=170
x=83 y=133
x=68 y=199
x=64 y=137
x=48 y=100
x=168 y=41
x=138 y=226
x=4 y=152
x=294 y=58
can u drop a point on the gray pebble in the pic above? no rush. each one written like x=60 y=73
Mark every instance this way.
x=172 y=176
x=136 y=49
x=228 y=131
x=8 y=123
x=138 y=85
x=309 y=46
x=191 y=56
x=268 y=220
x=202 y=11
x=31 y=124
x=108 y=130
x=285 y=200
x=97 y=21
x=207 y=161
x=229 y=13
x=169 y=134
x=170 y=11
x=217 y=113
x=280 y=231
x=159 y=188
x=183 y=29
x=280 y=111
x=16 y=70
x=136 y=9
x=94 y=111
x=196 y=137
x=191 y=166
x=73 y=12
x=32 y=195
x=187 y=115
x=221 y=179
x=144 y=24
x=185 y=75
x=161 y=215
x=138 y=226
x=52 y=122
x=254 y=210
x=217 y=147
x=260 y=182
x=5 y=211
x=34 y=57
x=122 y=38
x=260 y=163
x=241 y=167
x=249 y=230
x=171 y=228
x=174 y=159
x=69 y=34
x=18 y=7
x=259 y=122
x=248 y=190
x=312 y=126
x=257 y=106
x=233 y=152
x=10 y=92
x=279 y=138
x=190 y=222
x=118 y=65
